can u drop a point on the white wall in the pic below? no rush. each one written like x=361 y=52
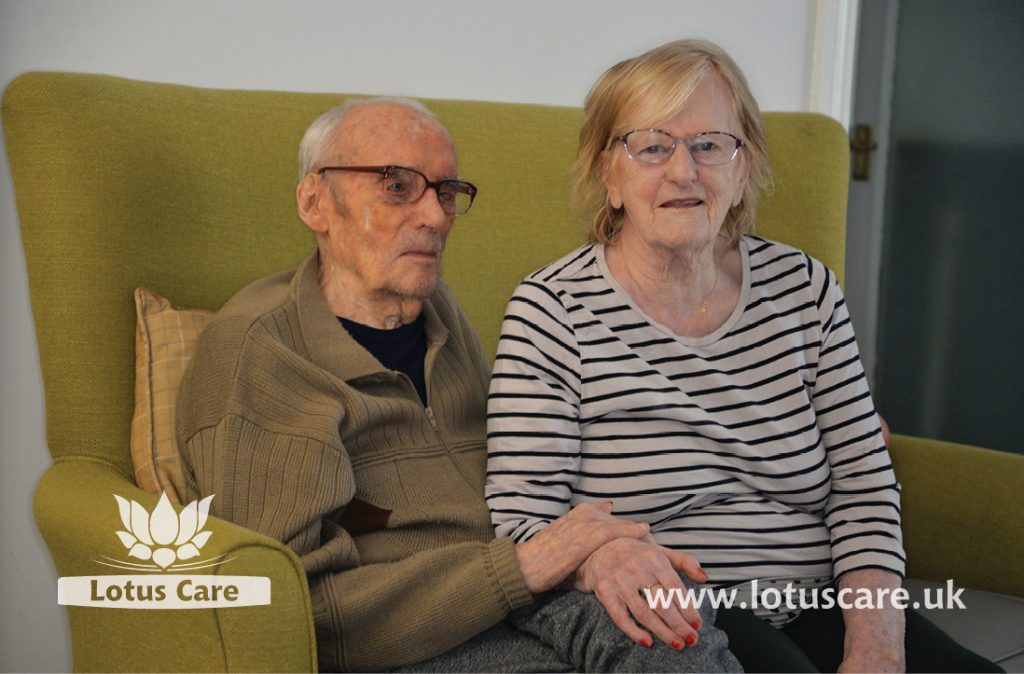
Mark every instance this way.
x=527 y=50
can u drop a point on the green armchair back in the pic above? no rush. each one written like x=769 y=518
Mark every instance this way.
x=190 y=192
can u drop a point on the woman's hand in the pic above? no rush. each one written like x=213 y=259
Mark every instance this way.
x=870 y=659
x=880 y=653
x=554 y=553
x=618 y=571
x=874 y=636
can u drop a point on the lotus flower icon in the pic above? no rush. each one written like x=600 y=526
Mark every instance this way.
x=165 y=536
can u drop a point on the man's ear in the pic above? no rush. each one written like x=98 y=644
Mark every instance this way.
x=309 y=196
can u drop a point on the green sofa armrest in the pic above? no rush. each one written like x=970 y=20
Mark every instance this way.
x=961 y=513
x=78 y=515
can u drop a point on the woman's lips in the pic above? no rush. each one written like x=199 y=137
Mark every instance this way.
x=682 y=203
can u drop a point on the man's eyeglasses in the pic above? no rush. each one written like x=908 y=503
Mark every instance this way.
x=654 y=146
x=402 y=185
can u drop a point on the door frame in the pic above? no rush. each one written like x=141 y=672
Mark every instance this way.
x=833 y=58
x=865 y=221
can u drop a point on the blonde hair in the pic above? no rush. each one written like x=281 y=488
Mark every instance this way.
x=654 y=86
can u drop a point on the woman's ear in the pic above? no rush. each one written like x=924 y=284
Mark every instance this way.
x=309 y=198
x=609 y=180
x=744 y=179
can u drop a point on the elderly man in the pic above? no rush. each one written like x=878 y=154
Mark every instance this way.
x=340 y=407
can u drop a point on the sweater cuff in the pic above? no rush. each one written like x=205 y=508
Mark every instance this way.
x=891 y=561
x=506 y=569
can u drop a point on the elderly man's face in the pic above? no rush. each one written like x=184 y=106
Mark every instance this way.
x=384 y=249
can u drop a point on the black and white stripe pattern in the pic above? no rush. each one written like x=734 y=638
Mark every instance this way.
x=756 y=448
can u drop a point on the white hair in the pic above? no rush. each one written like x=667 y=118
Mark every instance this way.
x=317 y=139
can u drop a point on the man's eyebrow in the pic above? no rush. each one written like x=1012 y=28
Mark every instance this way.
x=423 y=170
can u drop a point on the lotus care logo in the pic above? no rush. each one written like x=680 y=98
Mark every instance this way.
x=163 y=541
x=165 y=537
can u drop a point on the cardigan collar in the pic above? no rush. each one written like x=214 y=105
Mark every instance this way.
x=328 y=344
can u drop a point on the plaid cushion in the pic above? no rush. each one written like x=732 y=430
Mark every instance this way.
x=165 y=340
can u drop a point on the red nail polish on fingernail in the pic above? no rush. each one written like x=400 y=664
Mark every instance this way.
x=695 y=624
x=645 y=642
x=691 y=639
x=677 y=644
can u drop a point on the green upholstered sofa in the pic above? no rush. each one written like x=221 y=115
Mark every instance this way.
x=190 y=192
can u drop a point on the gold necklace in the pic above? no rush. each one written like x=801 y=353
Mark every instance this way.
x=707 y=300
x=697 y=315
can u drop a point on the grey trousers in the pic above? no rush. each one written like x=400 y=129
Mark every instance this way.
x=571 y=631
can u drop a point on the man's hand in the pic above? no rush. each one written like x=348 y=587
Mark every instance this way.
x=554 y=553
x=618 y=571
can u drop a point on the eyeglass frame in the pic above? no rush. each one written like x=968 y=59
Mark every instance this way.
x=740 y=143
x=385 y=171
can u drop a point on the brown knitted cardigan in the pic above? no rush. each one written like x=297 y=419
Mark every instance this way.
x=305 y=437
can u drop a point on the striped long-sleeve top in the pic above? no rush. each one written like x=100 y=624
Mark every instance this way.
x=756 y=448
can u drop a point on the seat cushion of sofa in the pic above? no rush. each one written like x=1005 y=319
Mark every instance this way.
x=991 y=625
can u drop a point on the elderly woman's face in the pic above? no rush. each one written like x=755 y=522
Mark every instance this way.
x=679 y=204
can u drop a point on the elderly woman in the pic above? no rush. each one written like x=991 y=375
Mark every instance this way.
x=708 y=383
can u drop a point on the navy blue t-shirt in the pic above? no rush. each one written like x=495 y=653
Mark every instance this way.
x=403 y=349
